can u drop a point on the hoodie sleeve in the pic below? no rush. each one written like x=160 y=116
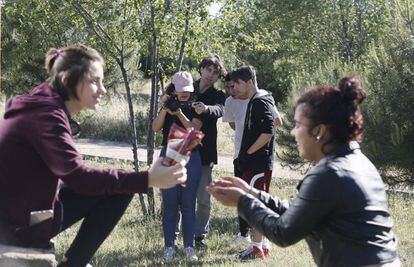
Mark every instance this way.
x=263 y=115
x=53 y=142
x=217 y=110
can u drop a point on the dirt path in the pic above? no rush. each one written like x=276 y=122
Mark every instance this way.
x=123 y=151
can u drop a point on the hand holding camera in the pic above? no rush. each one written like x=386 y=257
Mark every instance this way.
x=173 y=103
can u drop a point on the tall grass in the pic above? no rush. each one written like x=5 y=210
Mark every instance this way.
x=111 y=120
x=225 y=137
x=138 y=240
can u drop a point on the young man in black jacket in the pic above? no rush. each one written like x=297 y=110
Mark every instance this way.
x=210 y=105
x=255 y=158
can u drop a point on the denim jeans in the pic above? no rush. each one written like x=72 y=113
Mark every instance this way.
x=203 y=203
x=182 y=199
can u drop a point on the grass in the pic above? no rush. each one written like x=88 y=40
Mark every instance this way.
x=224 y=138
x=138 y=241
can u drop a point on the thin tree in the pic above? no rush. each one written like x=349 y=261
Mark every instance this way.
x=117 y=52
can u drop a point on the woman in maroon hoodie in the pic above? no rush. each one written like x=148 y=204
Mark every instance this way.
x=44 y=185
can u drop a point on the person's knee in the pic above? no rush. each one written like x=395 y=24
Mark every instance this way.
x=121 y=200
x=126 y=198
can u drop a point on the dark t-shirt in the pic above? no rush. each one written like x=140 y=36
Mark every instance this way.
x=259 y=120
x=214 y=99
x=170 y=119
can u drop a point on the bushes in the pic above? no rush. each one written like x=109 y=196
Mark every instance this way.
x=327 y=73
x=389 y=124
x=111 y=121
x=387 y=73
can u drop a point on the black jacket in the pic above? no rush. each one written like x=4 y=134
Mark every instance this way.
x=341 y=210
x=214 y=99
x=259 y=120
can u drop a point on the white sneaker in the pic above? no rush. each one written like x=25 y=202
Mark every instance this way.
x=169 y=253
x=191 y=254
x=241 y=240
x=266 y=243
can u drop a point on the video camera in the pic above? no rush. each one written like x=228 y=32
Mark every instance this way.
x=173 y=103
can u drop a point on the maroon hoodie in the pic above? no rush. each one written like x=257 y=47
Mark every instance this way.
x=36 y=150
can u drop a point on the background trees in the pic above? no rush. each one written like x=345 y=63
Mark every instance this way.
x=293 y=44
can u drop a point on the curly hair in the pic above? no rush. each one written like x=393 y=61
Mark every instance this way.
x=213 y=60
x=336 y=107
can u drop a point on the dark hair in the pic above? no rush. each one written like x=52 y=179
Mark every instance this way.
x=243 y=73
x=75 y=61
x=214 y=60
x=337 y=107
x=170 y=89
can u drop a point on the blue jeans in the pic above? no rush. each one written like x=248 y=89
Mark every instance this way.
x=203 y=203
x=183 y=199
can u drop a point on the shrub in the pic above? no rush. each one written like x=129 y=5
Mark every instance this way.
x=389 y=124
x=111 y=121
x=387 y=73
x=327 y=73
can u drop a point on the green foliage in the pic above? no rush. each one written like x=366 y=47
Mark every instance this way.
x=327 y=73
x=389 y=124
x=387 y=75
x=24 y=43
x=293 y=44
x=286 y=38
x=111 y=122
x=385 y=66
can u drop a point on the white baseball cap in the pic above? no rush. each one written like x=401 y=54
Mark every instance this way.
x=183 y=82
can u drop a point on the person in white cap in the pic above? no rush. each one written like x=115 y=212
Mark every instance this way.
x=179 y=198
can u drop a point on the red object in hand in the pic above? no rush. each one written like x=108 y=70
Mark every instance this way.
x=180 y=144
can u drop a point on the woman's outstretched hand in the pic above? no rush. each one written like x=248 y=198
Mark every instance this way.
x=166 y=176
x=237 y=182
x=228 y=190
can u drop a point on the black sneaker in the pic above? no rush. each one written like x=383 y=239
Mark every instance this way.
x=200 y=243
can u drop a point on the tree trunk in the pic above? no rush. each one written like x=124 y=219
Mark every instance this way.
x=151 y=134
x=153 y=107
x=133 y=128
x=161 y=83
x=184 y=37
x=113 y=50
